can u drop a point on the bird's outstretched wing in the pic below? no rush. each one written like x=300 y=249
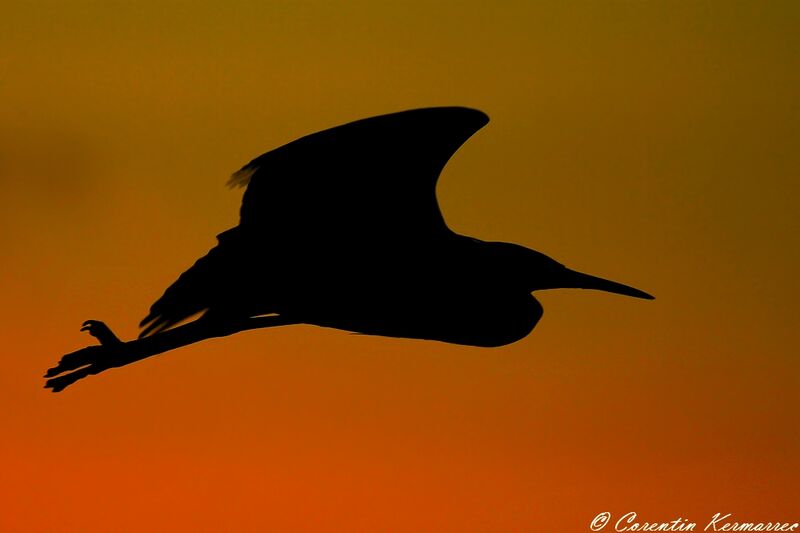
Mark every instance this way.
x=362 y=183
x=367 y=186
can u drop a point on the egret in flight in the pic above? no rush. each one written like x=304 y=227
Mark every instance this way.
x=342 y=229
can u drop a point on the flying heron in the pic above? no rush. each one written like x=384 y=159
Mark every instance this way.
x=342 y=229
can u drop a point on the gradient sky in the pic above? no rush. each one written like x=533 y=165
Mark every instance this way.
x=655 y=143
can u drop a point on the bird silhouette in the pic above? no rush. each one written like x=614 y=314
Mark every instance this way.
x=342 y=229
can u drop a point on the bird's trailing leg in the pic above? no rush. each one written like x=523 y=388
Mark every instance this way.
x=112 y=352
x=86 y=361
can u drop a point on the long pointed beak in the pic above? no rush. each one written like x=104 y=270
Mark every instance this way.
x=579 y=280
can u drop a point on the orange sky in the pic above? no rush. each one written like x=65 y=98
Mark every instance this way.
x=654 y=143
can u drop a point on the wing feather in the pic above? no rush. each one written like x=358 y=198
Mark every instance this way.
x=195 y=291
x=373 y=180
x=367 y=187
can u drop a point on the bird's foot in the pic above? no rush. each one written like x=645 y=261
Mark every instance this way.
x=86 y=361
x=101 y=332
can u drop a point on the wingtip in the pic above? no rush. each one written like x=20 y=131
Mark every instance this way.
x=455 y=113
x=479 y=117
x=484 y=118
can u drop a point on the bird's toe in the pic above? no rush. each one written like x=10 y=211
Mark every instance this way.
x=100 y=331
x=77 y=359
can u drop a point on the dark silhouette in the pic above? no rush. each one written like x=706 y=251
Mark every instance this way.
x=342 y=229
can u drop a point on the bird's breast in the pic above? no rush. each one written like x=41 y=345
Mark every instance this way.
x=464 y=317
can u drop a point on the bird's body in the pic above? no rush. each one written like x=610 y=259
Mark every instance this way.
x=455 y=289
x=342 y=229
x=452 y=293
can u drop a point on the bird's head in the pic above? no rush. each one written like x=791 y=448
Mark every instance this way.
x=540 y=272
